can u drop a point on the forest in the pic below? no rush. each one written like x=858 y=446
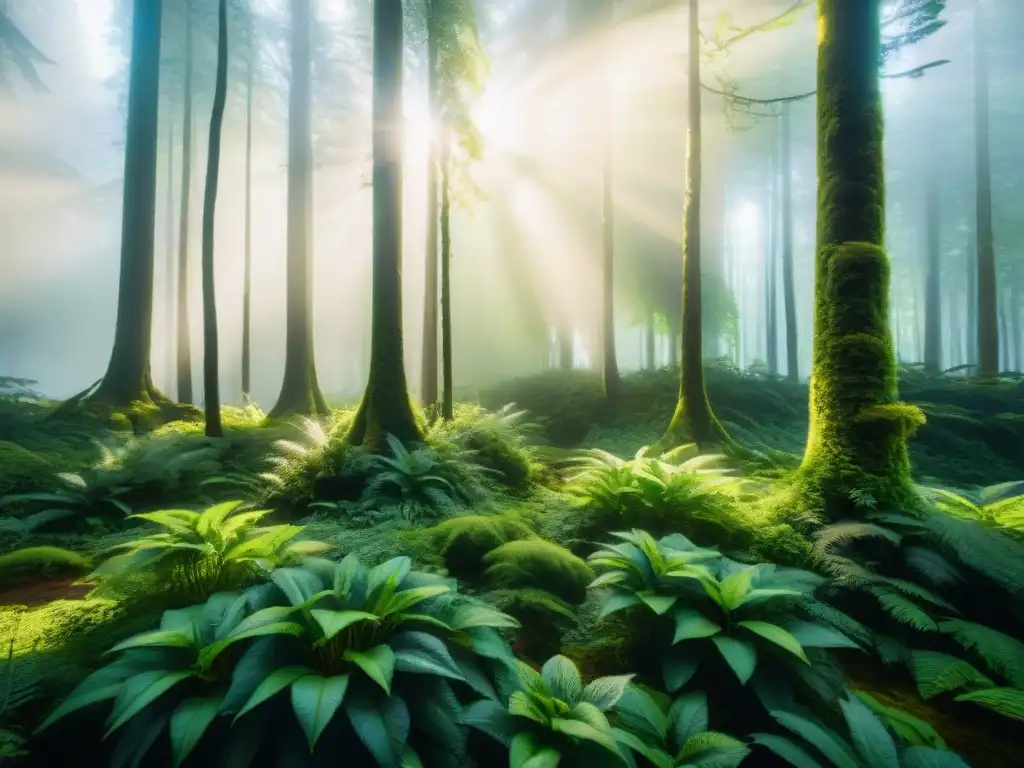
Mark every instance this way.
x=526 y=383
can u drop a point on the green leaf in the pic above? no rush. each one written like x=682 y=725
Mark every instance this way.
x=740 y=655
x=161 y=638
x=786 y=749
x=692 y=625
x=315 y=700
x=616 y=603
x=402 y=601
x=735 y=587
x=563 y=679
x=188 y=724
x=825 y=740
x=689 y=715
x=928 y=757
x=605 y=692
x=937 y=673
x=152 y=686
x=580 y=730
x=276 y=681
x=870 y=738
x=678 y=669
x=208 y=654
x=523 y=747
x=378 y=663
x=212 y=517
x=522 y=704
x=812 y=635
x=333 y=622
x=776 y=634
x=78 y=701
x=1008 y=702
x=660 y=604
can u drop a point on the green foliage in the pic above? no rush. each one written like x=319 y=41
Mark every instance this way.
x=539 y=564
x=678 y=737
x=1001 y=506
x=913 y=730
x=340 y=658
x=867 y=743
x=200 y=553
x=550 y=717
x=543 y=618
x=762 y=621
x=34 y=563
x=22 y=470
x=655 y=494
x=464 y=541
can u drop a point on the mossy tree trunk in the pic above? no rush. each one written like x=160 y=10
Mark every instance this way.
x=247 y=273
x=211 y=354
x=933 y=285
x=428 y=372
x=300 y=392
x=128 y=377
x=385 y=408
x=986 y=304
x=788 y=274
x=184 y=331
x=693 y=420
x=857 y=439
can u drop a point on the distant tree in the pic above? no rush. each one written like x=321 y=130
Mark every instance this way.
x=987 y=302
x=183 y=358
x=16 y=48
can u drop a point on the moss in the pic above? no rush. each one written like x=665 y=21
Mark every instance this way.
x=35 y=562
x=22 y=470
x=465 y=541
x=539 y=564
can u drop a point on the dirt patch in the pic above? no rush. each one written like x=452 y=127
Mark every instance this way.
x=38 y=593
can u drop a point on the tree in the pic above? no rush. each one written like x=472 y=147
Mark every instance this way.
x=788 y=277
x=211 y=372
x=300 y=392
x=987 y=303
x=128 y=380
x=857 y=437
x=247 y=275
x=385 y=408
x=933 y=267
x=184 y=338
x=428 y=379
x=610 y=382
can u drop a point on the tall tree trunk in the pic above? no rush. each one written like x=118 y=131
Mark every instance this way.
x=609 y=360
x=857 y=438
x=771 y=289
x=300 y=392
x=1004 y=334
x=169 y=262
x=428 y=379
x=385 y=408
x=988 y=322
x=788 y=276
x=650 y=354
x=971 y=305
x=693 y=420
x=447 y=398
x=184 y=357
x=211 y=355
x=128 y=378
x=933 y=289
x=247 y=276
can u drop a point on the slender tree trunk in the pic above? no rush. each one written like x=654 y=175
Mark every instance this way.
x=609 y=359
x=1017 y=324
x=650 y=356
x=933 y=289
x=971 y=308
x=565 y=346
x=169 y=259
x=1004 y=336
x=300 y=392
x=247 y=276
x=184 y=357
x=211 y=354
x=448 y=398
x=693 y=420
x=788 y=273
x=128 y=378
x=428 y=379
x=385 y=408
x=771 y=320
x=988 y=322
x=857 y=438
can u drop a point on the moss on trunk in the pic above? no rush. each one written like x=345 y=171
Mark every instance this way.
x=386 y=408
x=856 y=442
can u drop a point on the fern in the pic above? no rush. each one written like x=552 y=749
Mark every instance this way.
x=1001 y=653
x=937 y=673
x=1008 y=702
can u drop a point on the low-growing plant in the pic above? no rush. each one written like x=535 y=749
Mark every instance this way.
x=550 y=718
x=539 y=564
x=543 y=618
x=1000 y=505
x=200 y=553
x=329 y=659
x=677 y=738
x=867 y=743
x=465 y=540
x=33 y=563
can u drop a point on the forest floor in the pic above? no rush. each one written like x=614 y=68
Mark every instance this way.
x=972 y=439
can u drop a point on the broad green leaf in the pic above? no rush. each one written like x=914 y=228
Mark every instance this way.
x=315 y=700
x=825 y=740
x=787 y=750
x=523 y=747
x=158 y=684
x=617 y=603
x=208 y=654
x=740 y=655
x=776 y=634
x=521 y=704
x=212 y=517
x=275 y=682
x=928 y=757
x=735 y=587
x=660 y=604
x=161 y=638
x=870 y=738
x=406 y=598
x=563 y=679
x=580 y=730
x=1008 y=702
x=605 y=692
x=378 y=663
x=678 y=669
x=689 y=716
x=76 y=702
x=188 y=724
x=333 y=622
x=692 y=625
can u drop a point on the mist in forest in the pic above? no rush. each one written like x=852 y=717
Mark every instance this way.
x=526 y=231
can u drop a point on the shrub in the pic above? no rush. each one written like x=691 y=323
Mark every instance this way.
x=200 y=553
x=539 y=564
x=464 y=541
x=40 y=562
x=328 y=659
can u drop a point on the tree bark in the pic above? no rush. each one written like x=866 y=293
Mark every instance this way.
x=771 y=271
x=169 y=263
x=385 y=408
x=300 y=392
x=247 y=275
x=211 y=352
x=857 y=438
x=788 y=273
x=610 y=379
x=987 y=286
x=128 y=378
x=184 y=356
x=428 y=375
x=447 y=398
x=933 y=289
x=693 y=420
